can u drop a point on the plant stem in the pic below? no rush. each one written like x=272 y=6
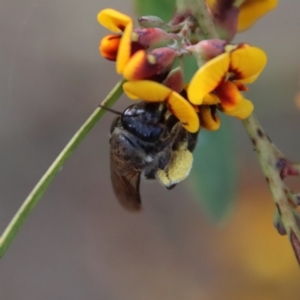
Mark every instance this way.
x=40 y=188
x=270 y=160
x=201 y=14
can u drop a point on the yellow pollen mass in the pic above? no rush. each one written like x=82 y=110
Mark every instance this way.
x=134 y=37
x=151 y=59
x=229 y=48
x=178 y=168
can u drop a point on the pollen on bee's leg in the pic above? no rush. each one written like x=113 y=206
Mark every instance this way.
x=178 y=168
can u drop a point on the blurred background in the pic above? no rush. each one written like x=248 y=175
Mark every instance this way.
x=79 y=243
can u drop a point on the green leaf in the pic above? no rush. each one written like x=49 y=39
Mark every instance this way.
x=161 y=8
x=190 y=67
x=214 y=172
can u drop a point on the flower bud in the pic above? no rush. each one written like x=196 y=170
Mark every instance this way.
x=151 y=36
x=152 y=21
x=207 y=49
x=109 y=46
x=175 y=80
x=143 y=65
x=226 y=23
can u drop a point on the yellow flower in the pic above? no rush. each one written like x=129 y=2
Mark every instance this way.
x=152 y=91
x=249 y=10
x=224 y=76
x=119 y=43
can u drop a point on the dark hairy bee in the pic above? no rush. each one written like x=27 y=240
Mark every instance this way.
x=148 y=141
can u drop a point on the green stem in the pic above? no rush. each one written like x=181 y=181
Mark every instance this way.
x=38 y=191
x=201 y=14
x=269 y=158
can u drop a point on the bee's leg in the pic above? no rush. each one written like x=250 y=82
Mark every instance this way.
x=192 y=140
x=150 y=174
x=164 y=158
x=169 y=141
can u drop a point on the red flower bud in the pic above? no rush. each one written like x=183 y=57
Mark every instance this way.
x=150 y=36
x=144 y=65
x=207 y=49
x=175 y=80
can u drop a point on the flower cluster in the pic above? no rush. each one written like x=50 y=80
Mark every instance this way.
x=150 y=58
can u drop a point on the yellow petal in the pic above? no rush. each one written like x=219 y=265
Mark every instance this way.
x=208 y=117
x=184 y=112
x=147 y=90
x=124 y=52
x=229 y=95
x=247 y=63
x=210 y=3
x=113 y=20
x=251 y=10
x=207 y=78
x=109 y=46
x=136 y=65
x=242 y=111
x=211 y=99
x=131 y=96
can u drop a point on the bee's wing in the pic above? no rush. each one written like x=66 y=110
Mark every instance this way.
x=126 y=187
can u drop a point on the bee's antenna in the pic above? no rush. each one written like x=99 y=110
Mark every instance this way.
x=110 y=109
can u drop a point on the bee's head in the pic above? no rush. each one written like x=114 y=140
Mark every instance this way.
x=145 y=120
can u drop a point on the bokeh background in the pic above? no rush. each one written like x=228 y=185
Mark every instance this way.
x=79 y=243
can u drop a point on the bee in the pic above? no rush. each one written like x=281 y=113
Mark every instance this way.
x=148 y=141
